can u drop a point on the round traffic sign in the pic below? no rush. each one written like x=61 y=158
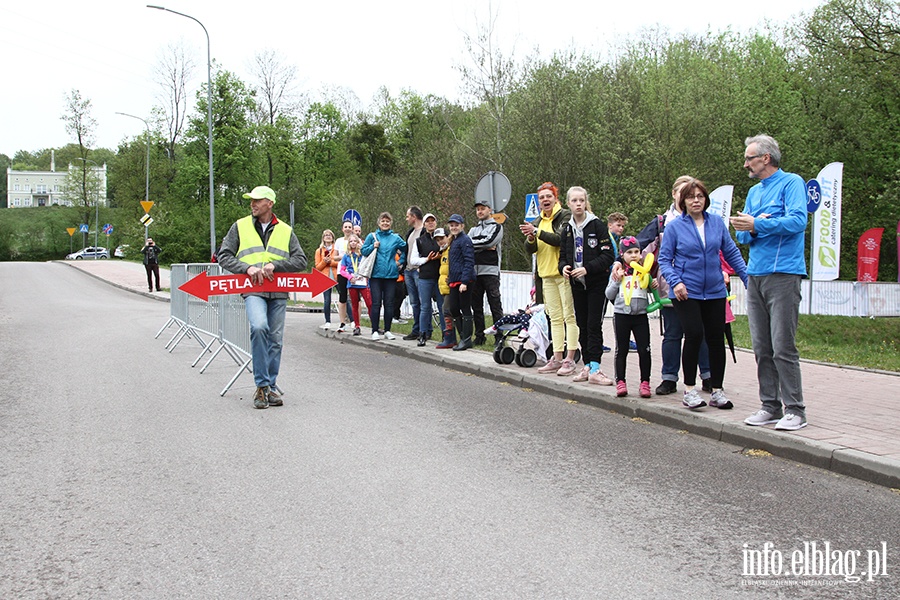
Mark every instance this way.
x=494 y=190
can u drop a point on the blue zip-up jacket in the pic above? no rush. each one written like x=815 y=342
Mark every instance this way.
x=683 y=258
x=462 y=260
x=386 y=263
x=779 y=244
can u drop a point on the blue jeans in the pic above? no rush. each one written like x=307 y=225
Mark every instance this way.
x=671 y=347
x=428 y=291
x=326 y=298
x=266 y=318
x=411 y=278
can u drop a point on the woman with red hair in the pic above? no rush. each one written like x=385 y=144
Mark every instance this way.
x=543 y=239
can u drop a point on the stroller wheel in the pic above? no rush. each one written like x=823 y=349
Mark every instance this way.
x=507 y=355
x=497 y=358
x=526 y=357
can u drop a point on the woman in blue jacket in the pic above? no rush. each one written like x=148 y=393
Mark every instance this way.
x=460 y=279
x=689 y=261
x=383 y=282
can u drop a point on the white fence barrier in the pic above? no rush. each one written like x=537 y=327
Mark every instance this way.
x=217 y=325
x=839 y=298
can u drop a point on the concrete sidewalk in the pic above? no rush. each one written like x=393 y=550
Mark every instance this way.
x=854 y=423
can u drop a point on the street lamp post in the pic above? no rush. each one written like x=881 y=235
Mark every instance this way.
x=96 y=206
x=212 y=206
x=147 y=186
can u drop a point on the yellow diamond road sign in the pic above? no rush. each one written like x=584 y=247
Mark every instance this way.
x=146 y=220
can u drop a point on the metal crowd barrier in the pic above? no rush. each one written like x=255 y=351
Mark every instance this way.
x=217 y=325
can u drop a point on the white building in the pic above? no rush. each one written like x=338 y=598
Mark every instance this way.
x=49 y=188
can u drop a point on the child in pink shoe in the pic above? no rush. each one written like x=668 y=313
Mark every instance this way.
x=630 y=300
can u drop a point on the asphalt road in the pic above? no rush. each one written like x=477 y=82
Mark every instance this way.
x=124 y=474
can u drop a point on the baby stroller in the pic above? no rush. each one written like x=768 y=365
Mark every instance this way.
x=522 y=346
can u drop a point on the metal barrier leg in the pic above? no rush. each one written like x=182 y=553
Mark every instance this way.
x=206 y=349
x=236 y=375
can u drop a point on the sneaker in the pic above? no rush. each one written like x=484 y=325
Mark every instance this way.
x=401 y=321
x=606 y=349
x=389 y=336
x=791 y=422
x=645 y=389
x=551 y=367
x=599 y=378
x=692 y=400
x=261 y=398
x=275 y=397
x=356 y=331
x=621 y=389
x=666 y=387
x=718 y=400
x=375 y=336
x=342 y=328
x=761 y=417
x=412 y=335
x=567 y=368
x=479 y=340
x=325 y=326
x=632 y=347
x=705 y=385
x=583 y=375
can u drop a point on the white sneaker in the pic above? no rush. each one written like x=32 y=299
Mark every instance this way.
x=342 y=328
x=761 y=417
x=692 y=400
x=325 y=326
x=389 y=336
x=375 y=336
x=791 y=422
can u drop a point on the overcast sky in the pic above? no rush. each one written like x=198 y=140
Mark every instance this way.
x=108 y=49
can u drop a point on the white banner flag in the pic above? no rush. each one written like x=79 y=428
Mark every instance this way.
x=720 y=202
x=826 y=231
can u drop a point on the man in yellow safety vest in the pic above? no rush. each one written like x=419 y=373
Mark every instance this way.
x=260 y=245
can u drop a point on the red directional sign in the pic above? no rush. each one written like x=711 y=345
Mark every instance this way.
x=203 y=286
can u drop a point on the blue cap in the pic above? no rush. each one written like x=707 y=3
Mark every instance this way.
x=455 y=218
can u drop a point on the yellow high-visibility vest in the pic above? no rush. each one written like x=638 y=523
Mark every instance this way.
x=252 y=251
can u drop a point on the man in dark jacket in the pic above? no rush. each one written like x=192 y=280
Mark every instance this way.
x=151 y=254
x=486 y=236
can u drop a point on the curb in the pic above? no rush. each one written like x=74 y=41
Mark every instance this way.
x=830 y=457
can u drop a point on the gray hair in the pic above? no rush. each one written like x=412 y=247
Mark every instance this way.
x=766 y=144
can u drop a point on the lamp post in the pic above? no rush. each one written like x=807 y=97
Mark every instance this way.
x=212 y=205
x=147 y=187
x=96 y=205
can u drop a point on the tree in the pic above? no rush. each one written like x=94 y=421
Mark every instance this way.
x=275 y=98
x=81 y=125
x=173 y=70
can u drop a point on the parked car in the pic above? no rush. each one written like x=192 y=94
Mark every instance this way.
x=89 y=252
x=121 y=251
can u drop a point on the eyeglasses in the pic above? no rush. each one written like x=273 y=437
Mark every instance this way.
x=697 y=196
x=749 y=158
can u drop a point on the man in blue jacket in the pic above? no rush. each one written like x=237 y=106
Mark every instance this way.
x=773 y=224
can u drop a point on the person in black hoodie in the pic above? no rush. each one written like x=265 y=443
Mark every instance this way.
x=429 y=264
x=585 y=256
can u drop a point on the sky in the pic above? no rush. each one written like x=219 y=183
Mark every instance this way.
x=108 y=49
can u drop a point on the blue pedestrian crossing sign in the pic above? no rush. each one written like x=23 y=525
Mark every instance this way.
x=83 y=228
x=531 y=207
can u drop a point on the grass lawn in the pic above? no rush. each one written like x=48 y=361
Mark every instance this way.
x=854 y=341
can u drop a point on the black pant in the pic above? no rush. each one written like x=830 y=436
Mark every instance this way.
x=489 y=284
x=460 y=303
x=152 y=269
x=699 y=319
x=624 y=326
x=589 y=316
